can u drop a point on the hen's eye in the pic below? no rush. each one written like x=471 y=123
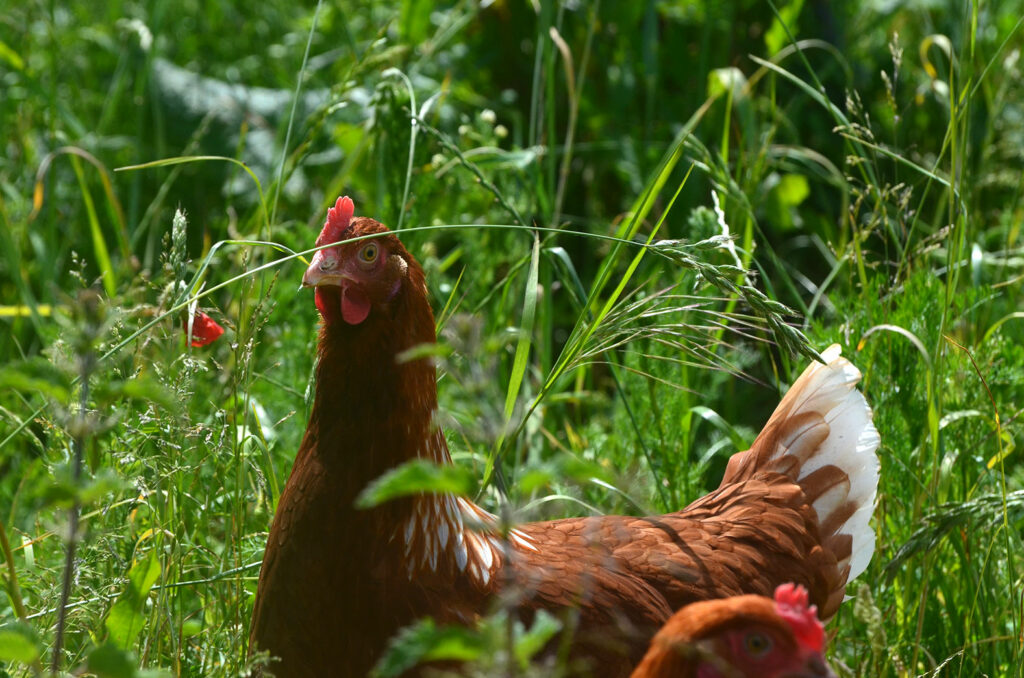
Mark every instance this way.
x=757 y=644
x=369 y=253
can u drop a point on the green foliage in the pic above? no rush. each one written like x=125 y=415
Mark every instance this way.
x=636 y=220
x=16 y=645
x=110 y=661
x=425 y=642
x=125 y=619
x=416 y=476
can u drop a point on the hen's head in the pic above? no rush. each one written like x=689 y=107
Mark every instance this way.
x=741 y=637
x=357 y=278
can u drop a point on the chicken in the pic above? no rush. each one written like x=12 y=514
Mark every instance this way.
x=338 y=582
x=741 y=637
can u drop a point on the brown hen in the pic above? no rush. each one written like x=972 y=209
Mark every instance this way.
x=338 y=582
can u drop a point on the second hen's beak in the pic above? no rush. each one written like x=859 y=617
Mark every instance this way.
x=816 y=667
x=322 y=271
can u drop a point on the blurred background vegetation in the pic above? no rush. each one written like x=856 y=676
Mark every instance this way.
x=866 y=158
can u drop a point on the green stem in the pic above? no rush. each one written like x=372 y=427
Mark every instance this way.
x=73 y=514
x=13 y=590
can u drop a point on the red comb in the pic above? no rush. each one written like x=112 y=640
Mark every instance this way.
x=338 y=219
x=791 y=604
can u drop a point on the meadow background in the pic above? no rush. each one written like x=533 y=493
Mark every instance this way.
x=865 y=157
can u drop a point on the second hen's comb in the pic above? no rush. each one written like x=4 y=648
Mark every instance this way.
x=791 y=604
x=339 y=218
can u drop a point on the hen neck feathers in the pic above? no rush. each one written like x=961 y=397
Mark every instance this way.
x=373 y=411
x=372 y=403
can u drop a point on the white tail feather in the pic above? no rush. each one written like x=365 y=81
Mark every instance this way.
x=830 y=391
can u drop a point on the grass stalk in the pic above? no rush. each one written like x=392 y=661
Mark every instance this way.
x=81 y=425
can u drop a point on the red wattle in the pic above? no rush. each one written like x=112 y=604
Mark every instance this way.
x=355 y=305
x=327 y=303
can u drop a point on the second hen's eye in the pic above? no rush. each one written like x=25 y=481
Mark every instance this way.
x=368 y=254
x=757 y=644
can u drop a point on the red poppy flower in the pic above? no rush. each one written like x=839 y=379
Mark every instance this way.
x=205 y=329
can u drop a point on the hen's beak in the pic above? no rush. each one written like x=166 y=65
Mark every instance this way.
x=323 y=270
x=816 y=667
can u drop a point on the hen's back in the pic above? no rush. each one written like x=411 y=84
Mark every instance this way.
x=794 y=507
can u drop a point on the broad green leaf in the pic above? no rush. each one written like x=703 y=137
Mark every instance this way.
x=109 y=661
x=784 y=24
x=17 y=647
x=416 y=476
x=454 y=644
x=562 y=468
x=544 y=628
x=425 y=641
x=126 y=617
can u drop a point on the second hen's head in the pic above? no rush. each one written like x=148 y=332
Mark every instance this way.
x=741 y=637
x=363 y=280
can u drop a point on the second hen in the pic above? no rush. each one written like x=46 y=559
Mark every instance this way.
x=741 y=637
x=337 y=582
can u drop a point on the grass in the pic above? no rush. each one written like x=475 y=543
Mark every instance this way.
x=553 y=166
